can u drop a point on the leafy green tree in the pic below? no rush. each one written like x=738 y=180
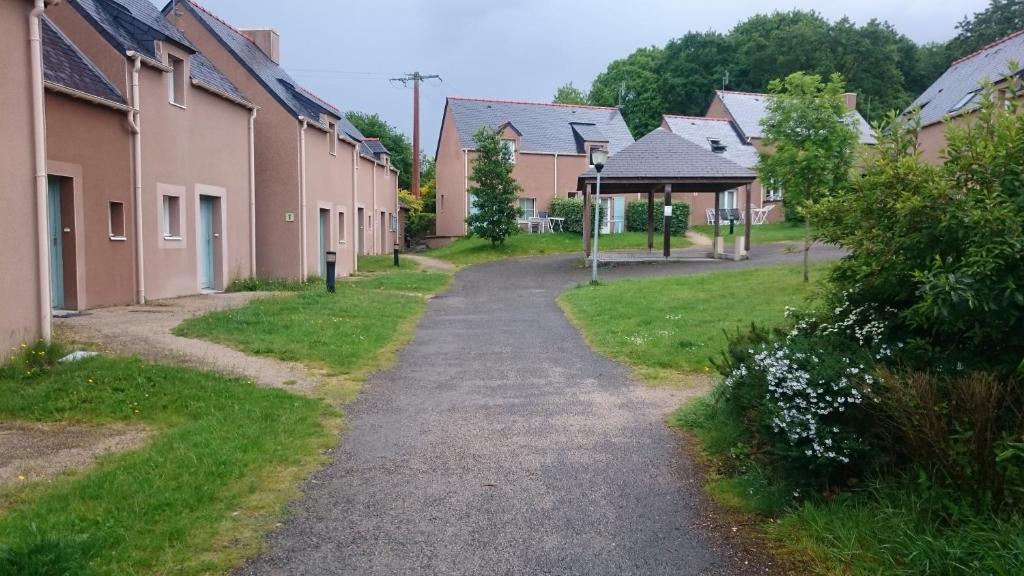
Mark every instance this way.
x=398 y=144
x=941 y=246
x=632 y=83
x=810 y=144
x=494 y=189
x=772 y=46
x=691 y=69
x=569 y=94
x=1002 y=17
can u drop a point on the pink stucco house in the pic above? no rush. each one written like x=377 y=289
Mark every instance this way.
x=956 y=95
x=340 y=195
x=149 y=170
x=550 y=143
x=24 y=292
x=744 y=112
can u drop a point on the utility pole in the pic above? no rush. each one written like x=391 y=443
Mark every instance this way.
x=415 y=78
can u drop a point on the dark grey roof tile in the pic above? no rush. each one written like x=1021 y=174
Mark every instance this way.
x=701 y=131
x=131 y=24
x=748 y=109
x=664 y=155
x=65 y=65
x=203 y=72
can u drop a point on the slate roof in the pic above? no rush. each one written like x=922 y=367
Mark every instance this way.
x=701 y=131
x=131 y=24
x=374 y=147
x=748 y=108
x=65 y=65
x=546 y=128
x=297 y=100
x=205 y=74
x=957 y=90
x=662 y=155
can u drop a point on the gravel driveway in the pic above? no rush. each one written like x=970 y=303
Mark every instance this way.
x=501 y=444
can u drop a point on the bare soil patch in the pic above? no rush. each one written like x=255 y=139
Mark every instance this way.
x=30 y=452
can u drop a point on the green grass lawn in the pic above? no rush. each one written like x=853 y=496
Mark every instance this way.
x=386 y=263
x=465 y=251
x=666 y=326
x=347 y=333
x=777 y=232
x=224 y=458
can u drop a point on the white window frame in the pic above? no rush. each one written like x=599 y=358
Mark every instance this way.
x=533 y=208
x=342 y=227
x=507 y=144
x=174 y=77
x=170 y=217
x=724 y=200
x=110 y=222
x=332 y=138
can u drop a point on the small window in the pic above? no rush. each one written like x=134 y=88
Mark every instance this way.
x=727 y=200
x=172 y=217
x=341 y=227
x=332 y=138
x=115 y=225
x=527 y=207
x=176 y=80
x=510 y=147
x=964 y=101
x=773 y=194
x=440 y=203
x=394 y=222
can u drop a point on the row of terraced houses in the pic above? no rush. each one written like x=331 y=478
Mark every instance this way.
x=155 y=153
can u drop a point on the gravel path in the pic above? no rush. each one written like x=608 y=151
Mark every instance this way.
x=501 y=444
x=146 y=331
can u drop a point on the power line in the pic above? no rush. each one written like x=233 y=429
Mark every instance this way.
x=415 y=78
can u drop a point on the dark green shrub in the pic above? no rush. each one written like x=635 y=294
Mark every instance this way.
x=636 y=217
x=418 y=225
x=572 y=210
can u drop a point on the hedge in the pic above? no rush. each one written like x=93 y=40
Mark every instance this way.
x=636 y=217
x=572 y=210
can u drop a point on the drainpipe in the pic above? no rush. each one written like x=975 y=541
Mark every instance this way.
x=302 y=197
x=252 y=192
x=355 y=210
x=465 y=186
x=556 y=176
x=373 y=200
x=135 y=125
x=39 y=148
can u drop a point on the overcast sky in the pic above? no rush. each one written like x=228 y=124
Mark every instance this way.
x=346 y=51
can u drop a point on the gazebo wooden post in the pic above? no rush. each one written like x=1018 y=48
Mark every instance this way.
x=718 y=220
x=668 y=221
x=586 y=222
x=650 y=220
x=746 y=220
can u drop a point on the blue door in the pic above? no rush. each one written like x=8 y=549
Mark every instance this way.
x=325 y=240
x=56 y=238
x=206 y=241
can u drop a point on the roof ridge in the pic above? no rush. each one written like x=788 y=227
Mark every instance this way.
x=741 y=92
x=696 y=117
x=992 y=44
x=531 y=103
x=210 y=13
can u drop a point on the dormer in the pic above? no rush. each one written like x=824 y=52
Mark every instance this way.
x=717 y=146
x=588 y=136
x=511 y=139
x=177 y=63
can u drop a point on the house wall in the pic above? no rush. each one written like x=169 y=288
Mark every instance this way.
x=19 y=280
x=451 y=182
x=932 y=143
x=717 y=109
x=90 y=145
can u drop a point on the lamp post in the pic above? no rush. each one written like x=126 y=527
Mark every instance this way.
x=598 y=157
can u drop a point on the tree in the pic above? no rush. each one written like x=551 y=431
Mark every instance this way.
x=632 y=83
x=691 y=69
x=810 y=144
x=373 y=126
x=495 y=216
x=1002 y=17
x=569 y=94
x=942 y=247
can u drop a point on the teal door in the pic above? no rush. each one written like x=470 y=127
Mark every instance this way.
x=325 y=240
x=56 y=236
x=206 y=241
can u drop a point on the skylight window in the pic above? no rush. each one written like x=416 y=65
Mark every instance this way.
x=964 y=101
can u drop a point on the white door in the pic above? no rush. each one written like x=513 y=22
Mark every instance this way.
x=607 y=215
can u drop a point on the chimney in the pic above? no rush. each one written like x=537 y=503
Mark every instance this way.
x=267 y=40
x=850 y=100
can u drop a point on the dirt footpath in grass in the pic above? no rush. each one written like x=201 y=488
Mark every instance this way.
x=431 y=264
x=31 y=452
x=146 y=331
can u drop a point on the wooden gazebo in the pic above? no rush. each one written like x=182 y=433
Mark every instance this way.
x=665 y=162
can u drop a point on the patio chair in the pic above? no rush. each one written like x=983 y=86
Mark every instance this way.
x=760 y=215
x=710 y=215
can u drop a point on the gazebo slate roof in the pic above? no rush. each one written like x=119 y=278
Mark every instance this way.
x=662 y=157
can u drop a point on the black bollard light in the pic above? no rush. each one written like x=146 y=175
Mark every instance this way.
x=396 y=254
x=332 y=260
x=732 y=226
